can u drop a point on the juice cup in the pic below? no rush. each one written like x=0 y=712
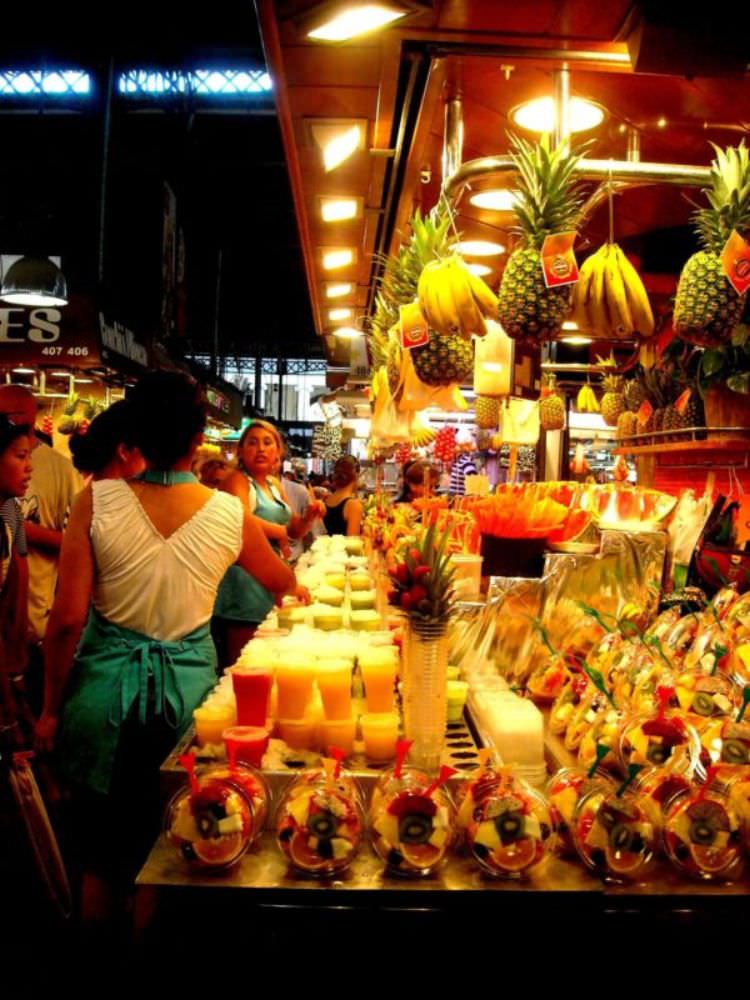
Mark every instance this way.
x=294 y=686
x=250 y=742
x=339 y=733
x=210 y=723
x=252 y=686
x=467 y=580
x=299 y=734
x=380 y=733
x=455 y=698
x=334 y=679
x=378 y=667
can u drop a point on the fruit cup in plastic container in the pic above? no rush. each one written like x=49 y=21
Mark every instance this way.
x=510 y=830
x=703 y=697
x=564 y=791
x=252 y=783
x=702 y=836
x=652 y=740
x=613 y=834
x=587 y=713
x=566 y=703
x=319 y=824
x=656 y=787
x=211 y=823
x=411 y=822
x=604 y=730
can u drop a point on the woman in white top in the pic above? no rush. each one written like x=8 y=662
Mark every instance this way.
x=149 y=555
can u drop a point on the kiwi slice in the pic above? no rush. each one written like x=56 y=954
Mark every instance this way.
x=510 y=827
x=701 y=832
x=208 y=825
x=734 y=752
x=607 y=817
x=658 y=753
x=322 y=825
x=703 y=704
x=415 y=828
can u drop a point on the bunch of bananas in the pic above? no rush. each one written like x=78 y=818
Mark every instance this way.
x=453 y=300
x=609 y=299
x=586 y=401
x=421 y=434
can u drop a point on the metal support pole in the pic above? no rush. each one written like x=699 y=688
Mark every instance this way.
x=258 y=393
x=280 y=406
x=633 y=153
x=104 y=183
x=217 y=315
x=561 y=94
x=453 y=137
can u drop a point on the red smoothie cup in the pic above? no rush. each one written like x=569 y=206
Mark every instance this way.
x=252 y=689
x=248 y=742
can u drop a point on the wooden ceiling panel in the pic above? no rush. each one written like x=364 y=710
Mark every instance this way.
x=313 y=66
x=501 y=18
x=334 y=102
x=598 y=21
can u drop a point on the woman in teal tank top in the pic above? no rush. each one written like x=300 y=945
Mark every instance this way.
x=242 y=603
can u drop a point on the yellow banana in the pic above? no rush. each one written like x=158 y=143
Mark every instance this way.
x=430 y=281
x=617 y=299
x=579 y=314
x=596 y=306
x=485 y=297
x=469 y=314
x=640 y=307
x=447 y=304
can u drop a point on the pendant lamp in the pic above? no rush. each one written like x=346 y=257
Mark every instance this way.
x=34 y=281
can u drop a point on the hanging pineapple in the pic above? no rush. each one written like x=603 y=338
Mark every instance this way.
x=487 y=410
x=707 y=307
x=612 y=402
x=548 y=202
x=551 y=406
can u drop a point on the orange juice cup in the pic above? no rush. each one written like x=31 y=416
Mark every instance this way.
x=380 y=733
x=210 y=723
x=249 y=743
x=294 y=686
x=334 y=679
x=339 y=733
x=378 y=667
x=252 y=687
x=299 y=734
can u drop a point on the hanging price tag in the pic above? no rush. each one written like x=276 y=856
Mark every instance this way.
x=558 y=260
x=682 y=401
x=414 y=329
x=645 y=410
x=735 y=259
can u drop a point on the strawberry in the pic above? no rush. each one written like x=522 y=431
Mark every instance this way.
x=420 y=572
x=417 y=594
x=406 y=601
x=402 y=573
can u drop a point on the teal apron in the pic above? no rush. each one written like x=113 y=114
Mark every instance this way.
x=241 y=598
x=118 y=672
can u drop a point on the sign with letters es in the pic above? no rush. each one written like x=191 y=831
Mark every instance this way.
x=61 y=335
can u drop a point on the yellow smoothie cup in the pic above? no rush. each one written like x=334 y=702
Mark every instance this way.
x=334 y=679
x=294 y=683
x=338 y=733
x=380 y=733
x=210 y=723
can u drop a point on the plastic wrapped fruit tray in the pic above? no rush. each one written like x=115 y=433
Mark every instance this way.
x=460 y=752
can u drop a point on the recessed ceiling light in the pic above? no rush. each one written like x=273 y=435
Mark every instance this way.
x=23 y=371
x=339 y=209
x=334 y=259
x=496 y=200
x=82 y=380
x=576 y=341
x=662 y=123
x=61 y=374
x=481 y=270
x=356 y=20
x=347 y=333
x=570 y=324
x=479 y=248
x=539 y=115
x=337 y=141
x=337 y=315
x=338 y=291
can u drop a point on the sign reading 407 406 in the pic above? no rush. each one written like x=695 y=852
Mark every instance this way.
x=68 y=335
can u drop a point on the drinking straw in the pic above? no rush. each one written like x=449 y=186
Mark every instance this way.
x=601 y=753
x=745 y=701
x=445 y=773
x=338 y=755
x=188 y=762
x=231 y=746
x=664 y=693
x=633 y=771
x=402 y=749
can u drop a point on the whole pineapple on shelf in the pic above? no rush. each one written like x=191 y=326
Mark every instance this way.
x=613 y=400
x=487 y=412
x=707 y=308
x=551 y=407
x=626 y=424
x=447 y=359
x=548 y=202
x=635 y=393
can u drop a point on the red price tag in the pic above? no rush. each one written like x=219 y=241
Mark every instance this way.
x=414 y=329
x=682 y=401
x=558 y=260
x=644 y=412
x=735 y=259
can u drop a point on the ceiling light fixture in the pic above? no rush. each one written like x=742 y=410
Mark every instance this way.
x=337 y=315
x=338 y=291
x=339 y=209
x=356 y=20
x=337 y=140
x=61 y=374
x=495 y=200
x=347 y=333
x=80 y=380
x=23 y=371
x=576 y=341
x=479 y=248
x=34 y=281
x=539 y=115
x=481 y=270
x=334 y=259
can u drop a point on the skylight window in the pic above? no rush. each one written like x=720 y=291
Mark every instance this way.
x=199 y=82
x=52 y=83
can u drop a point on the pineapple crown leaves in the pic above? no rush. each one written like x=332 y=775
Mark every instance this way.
x=728 y=197
x=548 y=201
